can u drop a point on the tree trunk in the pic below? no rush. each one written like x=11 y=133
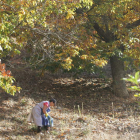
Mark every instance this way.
x=117 y=68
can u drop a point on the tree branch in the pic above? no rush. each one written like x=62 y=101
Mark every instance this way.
x=100 y=31
x=133 y=25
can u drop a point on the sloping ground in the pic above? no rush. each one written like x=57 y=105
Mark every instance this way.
x=86 y=109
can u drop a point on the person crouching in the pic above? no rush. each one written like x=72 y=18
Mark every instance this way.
x=39 y=115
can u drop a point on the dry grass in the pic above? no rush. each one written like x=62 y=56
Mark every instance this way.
x=83 y=112
x=68 y=124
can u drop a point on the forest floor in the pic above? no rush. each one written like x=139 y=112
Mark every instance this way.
x=86 y=109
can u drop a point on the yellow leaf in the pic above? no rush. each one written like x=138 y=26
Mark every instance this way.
x=84 y=57
x=136 y=95
x=70 y=14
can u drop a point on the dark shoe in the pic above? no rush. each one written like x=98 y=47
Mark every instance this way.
x=46 y=127
x=38 y=129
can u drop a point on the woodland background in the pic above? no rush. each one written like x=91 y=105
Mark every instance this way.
x=77 y=52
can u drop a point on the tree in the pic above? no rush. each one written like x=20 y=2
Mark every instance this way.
x=74 y=34
x=48 y=29
x=33 y=24
x=117 y=28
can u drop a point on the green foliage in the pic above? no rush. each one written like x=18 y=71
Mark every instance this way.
x=133 y=79
x=6 y=83
x=136 y=81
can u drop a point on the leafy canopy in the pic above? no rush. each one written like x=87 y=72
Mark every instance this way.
x=46 y=25
x=33 y=24
x=70 y=34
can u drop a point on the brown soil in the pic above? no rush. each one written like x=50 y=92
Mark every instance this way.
x=115 y=118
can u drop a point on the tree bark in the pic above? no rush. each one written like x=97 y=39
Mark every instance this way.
x=117 y=68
